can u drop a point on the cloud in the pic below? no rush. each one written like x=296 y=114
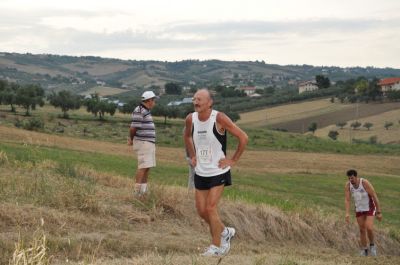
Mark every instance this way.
x=230 y=39
x=306 y=27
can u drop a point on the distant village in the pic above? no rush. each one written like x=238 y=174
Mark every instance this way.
x=386 y=84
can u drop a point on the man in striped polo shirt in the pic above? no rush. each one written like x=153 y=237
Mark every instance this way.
x=142 y=135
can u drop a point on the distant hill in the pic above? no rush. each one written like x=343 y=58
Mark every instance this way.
x=78 y=74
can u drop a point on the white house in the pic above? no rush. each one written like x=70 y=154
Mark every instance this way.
x=100 y=83
x=307 y=86
x=180 y=102
x=248 y=90
x=388 y=84
x=255 y=95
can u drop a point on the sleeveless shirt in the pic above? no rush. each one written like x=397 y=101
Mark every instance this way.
x=363 y=202
x=210 y=146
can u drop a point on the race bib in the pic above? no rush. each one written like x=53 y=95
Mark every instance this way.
x=204 y=154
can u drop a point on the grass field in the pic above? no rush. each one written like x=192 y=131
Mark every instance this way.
x=83 y=196
x=297 y=184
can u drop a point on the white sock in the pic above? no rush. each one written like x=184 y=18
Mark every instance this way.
x=143 y=188
x=137 y=188
x=225 y=232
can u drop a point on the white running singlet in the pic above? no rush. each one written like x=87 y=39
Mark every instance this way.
x=210 y=146
x=362 y=200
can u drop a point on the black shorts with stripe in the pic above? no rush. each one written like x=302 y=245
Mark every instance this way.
x=206 y=183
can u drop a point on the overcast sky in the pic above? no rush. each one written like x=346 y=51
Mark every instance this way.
x=318 y=32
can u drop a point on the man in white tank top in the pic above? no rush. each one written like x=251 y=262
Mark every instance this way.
x=205 y=141
x=366 y=207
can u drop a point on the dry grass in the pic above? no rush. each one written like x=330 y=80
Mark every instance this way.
x=163 y=228
x=383 y=136
x=3 y=158
x=271 y=256
x=289 y=112
x=34 y=253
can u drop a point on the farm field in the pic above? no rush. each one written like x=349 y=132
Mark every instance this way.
x=288 y=112
x=385 y=136
x=297 y=117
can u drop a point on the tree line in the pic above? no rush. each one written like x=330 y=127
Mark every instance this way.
x=30 y=96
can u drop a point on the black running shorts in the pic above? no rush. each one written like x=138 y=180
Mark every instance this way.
x=206 y=183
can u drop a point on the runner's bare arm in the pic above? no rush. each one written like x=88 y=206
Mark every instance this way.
x=188 y=139
x=226 y=123
x=132 y=133
x=347 y=199
x=371 y=191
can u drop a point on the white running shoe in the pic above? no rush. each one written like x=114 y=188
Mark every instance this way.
x=372 y=250
x=364 y=252
x=212 y=251
x=226 y=240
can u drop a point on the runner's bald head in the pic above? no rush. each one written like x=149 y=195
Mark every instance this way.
x=204 y=93
x=201 y=97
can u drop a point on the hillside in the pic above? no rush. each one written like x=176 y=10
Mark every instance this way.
x=286 y=206
x=78 y=74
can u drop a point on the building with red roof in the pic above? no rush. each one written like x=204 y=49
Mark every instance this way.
x=387 y=84
x=307 y=86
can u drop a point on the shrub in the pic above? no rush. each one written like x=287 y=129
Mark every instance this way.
x=373 y=139
x=31 y=124
x=388 y=124
x=368 y=125
x=312 y=127
x=333 y=135
x=341 y=124
x=355 y=125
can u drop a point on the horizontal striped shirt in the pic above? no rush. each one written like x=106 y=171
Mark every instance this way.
x=143 y=122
